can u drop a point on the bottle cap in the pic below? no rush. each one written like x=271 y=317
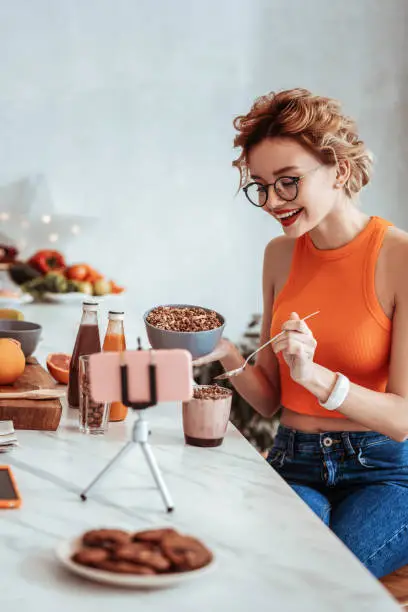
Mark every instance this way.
x=90 y=306
x=115 y=316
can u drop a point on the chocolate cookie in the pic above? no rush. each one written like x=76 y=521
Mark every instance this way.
x=154 y=559
x=153 y=535
x=125 y=567
x=128 y=552
x=185 y=553
x=106 y=538
x=90 y=556
x=143 y=553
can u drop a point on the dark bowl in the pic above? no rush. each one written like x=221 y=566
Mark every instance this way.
x=28 y=334
x=198 y=343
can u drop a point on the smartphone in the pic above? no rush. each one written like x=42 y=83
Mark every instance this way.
x=9 y=495
x=173 y=375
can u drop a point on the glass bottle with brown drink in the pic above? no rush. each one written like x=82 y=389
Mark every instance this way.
x=115 y=341
x=87 y=342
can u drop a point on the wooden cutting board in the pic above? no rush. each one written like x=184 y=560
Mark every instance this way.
x=31 y=414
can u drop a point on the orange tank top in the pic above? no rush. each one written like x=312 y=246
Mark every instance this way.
x=352 y=331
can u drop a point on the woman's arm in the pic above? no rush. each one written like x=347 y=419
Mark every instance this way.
x=257 y=384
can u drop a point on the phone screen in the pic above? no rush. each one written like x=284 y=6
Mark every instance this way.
x=7 y=490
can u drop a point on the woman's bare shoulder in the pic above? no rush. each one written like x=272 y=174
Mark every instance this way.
x=393 y=259
x=277 y=262
x=281 y=245
x=395 y=244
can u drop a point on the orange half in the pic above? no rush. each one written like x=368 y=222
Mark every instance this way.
x=58 y=366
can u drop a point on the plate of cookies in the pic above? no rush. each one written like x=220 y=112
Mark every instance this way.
x=153 y=558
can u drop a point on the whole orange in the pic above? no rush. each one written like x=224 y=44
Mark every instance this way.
x=12 y=361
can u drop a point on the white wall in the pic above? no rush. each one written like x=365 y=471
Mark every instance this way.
x=127 y=108
x=356 y=52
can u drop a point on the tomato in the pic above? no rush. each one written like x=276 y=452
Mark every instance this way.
x=78 y=272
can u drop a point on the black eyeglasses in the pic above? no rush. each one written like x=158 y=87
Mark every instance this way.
x=286 y=188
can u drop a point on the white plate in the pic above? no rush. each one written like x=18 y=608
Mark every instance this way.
x=67 y=548
x=6 y=302
x=76 y=297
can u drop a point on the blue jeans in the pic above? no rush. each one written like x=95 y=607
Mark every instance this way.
x=357 y=483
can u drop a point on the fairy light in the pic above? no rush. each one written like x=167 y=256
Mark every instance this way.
x=29 y=219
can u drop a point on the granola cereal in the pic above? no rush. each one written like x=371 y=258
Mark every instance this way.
x=211 y=392
x=184 y=318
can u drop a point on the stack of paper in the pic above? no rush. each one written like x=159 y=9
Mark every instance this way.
x=8 y=439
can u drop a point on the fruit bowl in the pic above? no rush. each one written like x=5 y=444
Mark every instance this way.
x=198 y=343
x=46 y=277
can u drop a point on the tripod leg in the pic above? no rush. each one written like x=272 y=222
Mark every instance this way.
x=106 y=469
x=154 y=468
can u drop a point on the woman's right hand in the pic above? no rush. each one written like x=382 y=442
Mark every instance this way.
x=223 y=348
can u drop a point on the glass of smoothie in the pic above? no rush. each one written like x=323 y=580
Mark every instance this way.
x=206 y=415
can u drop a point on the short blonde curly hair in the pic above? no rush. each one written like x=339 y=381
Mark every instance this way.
x=314 y=121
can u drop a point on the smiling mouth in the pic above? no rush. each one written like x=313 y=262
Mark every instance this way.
x=288 y=217
x=287 y=214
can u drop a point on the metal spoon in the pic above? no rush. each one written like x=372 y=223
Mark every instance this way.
x=232 y=373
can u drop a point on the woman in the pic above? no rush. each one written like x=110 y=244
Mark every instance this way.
x=341 y=379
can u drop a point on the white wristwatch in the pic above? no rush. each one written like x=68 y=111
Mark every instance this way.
x=339 y=393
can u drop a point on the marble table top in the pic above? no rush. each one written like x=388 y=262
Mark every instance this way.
x=272 y=552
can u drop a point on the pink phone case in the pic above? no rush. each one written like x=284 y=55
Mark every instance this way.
x=173 y=374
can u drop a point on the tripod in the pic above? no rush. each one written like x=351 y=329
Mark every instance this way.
x=140 y=434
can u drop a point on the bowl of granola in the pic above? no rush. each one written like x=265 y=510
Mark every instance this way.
x=184 y=326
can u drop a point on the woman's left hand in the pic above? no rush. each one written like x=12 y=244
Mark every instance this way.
x=298 y=348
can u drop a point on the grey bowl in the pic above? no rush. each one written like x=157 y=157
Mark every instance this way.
x=198 y=343
x=28 y=334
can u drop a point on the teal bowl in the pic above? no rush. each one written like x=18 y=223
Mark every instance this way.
x=28 y=334
x=197 y=343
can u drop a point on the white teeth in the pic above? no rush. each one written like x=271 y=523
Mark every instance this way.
x=287 y=215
